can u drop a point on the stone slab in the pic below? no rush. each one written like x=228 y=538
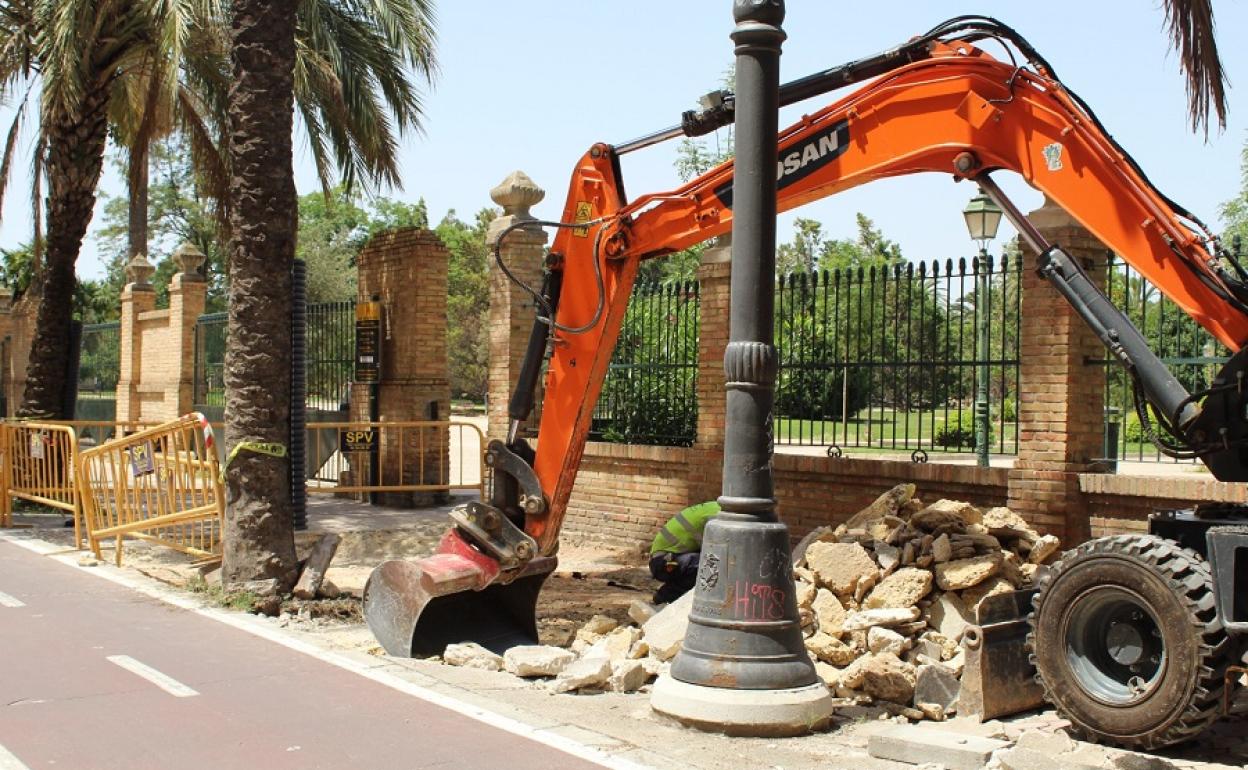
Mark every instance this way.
x=757 y=713
x=917 y=746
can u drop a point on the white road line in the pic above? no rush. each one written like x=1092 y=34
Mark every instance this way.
x=10 y=762
x=257 y=627
x=163 y=681
x=9 y=601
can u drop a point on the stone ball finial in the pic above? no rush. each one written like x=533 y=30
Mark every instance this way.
x=189 y=258
x=139 y=271
x=516 y=194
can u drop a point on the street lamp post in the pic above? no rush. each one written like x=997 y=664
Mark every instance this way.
x=982 y=218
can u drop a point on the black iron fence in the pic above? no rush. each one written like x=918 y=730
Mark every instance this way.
x=99 y=367
x=1193 y=355
x=331 y=347
x=331 y=351
x=888 y=358
x=210 y=363
x=650 y=393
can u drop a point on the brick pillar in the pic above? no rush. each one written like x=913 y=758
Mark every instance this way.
x=137 y=297
x=707 y=458
x=1061 y=398
x=406 y=270
x=188 y=294
x=511 y=308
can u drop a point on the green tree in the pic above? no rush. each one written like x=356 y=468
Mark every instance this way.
x=468 y=302
x=144 y=68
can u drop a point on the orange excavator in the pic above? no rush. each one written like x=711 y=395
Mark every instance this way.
x=1134 y=638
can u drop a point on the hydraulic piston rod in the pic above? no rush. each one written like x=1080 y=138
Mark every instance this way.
x=1110 y=324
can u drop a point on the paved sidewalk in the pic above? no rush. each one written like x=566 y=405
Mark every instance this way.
x=95 y=675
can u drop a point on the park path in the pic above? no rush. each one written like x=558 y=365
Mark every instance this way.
x=95 y=675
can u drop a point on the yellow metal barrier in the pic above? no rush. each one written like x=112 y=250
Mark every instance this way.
x=422 y=456
x=162 y=485
x=38 y=466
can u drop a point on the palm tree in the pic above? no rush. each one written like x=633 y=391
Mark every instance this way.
x=330 y=64
x=146 y=67
x=259 y=541
x=1192 y=33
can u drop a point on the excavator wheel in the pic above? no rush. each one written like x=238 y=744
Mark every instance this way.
x=1126 y=642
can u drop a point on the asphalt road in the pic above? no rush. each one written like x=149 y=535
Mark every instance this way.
x=95 y=675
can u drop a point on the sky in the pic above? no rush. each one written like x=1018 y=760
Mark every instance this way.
x=530 y=86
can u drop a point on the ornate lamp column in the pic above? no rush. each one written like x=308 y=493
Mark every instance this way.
x=743 y=668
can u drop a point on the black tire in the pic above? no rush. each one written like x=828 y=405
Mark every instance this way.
x=1126 y=642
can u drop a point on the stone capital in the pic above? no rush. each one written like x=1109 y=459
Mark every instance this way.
x=1051 y=216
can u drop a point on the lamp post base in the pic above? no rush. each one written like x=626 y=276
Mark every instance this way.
x=752 y=713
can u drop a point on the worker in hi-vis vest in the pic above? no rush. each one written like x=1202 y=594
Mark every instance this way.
x=676 y=549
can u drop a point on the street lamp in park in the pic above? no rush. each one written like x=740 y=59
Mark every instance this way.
x=982 y=218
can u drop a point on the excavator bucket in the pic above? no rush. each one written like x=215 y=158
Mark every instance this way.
x=459 y=594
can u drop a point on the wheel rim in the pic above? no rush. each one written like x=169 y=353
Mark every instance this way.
x=1114 y=645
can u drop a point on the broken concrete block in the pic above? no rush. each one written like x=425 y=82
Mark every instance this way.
x=1045 y=742
x=582 y=674
x=816 y=535
x=615 y=645
x=932 y=711
x=903 y=588
x=950 y=616
x=1043 y=549
x=888 y=556
x=537 y=660
x=887 y=504
x=627 y=676
x=472 y=655
x=887 y=677
x=829 y=612
x=828 y=648
x=963 y=573
x=805 y=593
x=942 y=549
x=990 y=587
x=918 y=745
x=889 y=616
x=666 y=631
x=1002 y=522
x=831 y=675
x=600 y=625
x=839 y=566
x=639 y=612
x=936 y=684
x=886 y=640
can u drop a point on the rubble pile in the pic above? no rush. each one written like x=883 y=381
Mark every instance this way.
x=884 y=598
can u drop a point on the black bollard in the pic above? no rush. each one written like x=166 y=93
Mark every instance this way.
x=743 y=668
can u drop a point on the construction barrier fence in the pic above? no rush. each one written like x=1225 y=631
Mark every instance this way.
x=162 y=485
x=419 y=456
x=38 y=466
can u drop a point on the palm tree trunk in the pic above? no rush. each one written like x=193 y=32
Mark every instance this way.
x=75 y=157
x=259 y=530
x=137 y=209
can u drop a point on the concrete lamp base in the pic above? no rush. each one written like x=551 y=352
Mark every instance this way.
x=753 y=713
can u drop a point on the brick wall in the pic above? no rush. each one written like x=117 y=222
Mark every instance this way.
x=406 y=270
x=157 y=350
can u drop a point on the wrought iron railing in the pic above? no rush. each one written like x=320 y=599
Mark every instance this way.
x=650 y=393
x=887 y=358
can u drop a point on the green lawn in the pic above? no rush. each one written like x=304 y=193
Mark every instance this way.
x=886 y=430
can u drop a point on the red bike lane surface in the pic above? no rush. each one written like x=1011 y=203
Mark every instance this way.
x=63 y=704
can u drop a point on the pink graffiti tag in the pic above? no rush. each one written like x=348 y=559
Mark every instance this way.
x=756 y=601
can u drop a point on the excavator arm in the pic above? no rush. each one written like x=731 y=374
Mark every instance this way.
x=938 y=103
x=958 y=111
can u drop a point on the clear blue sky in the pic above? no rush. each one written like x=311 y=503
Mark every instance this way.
x=531 y=85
